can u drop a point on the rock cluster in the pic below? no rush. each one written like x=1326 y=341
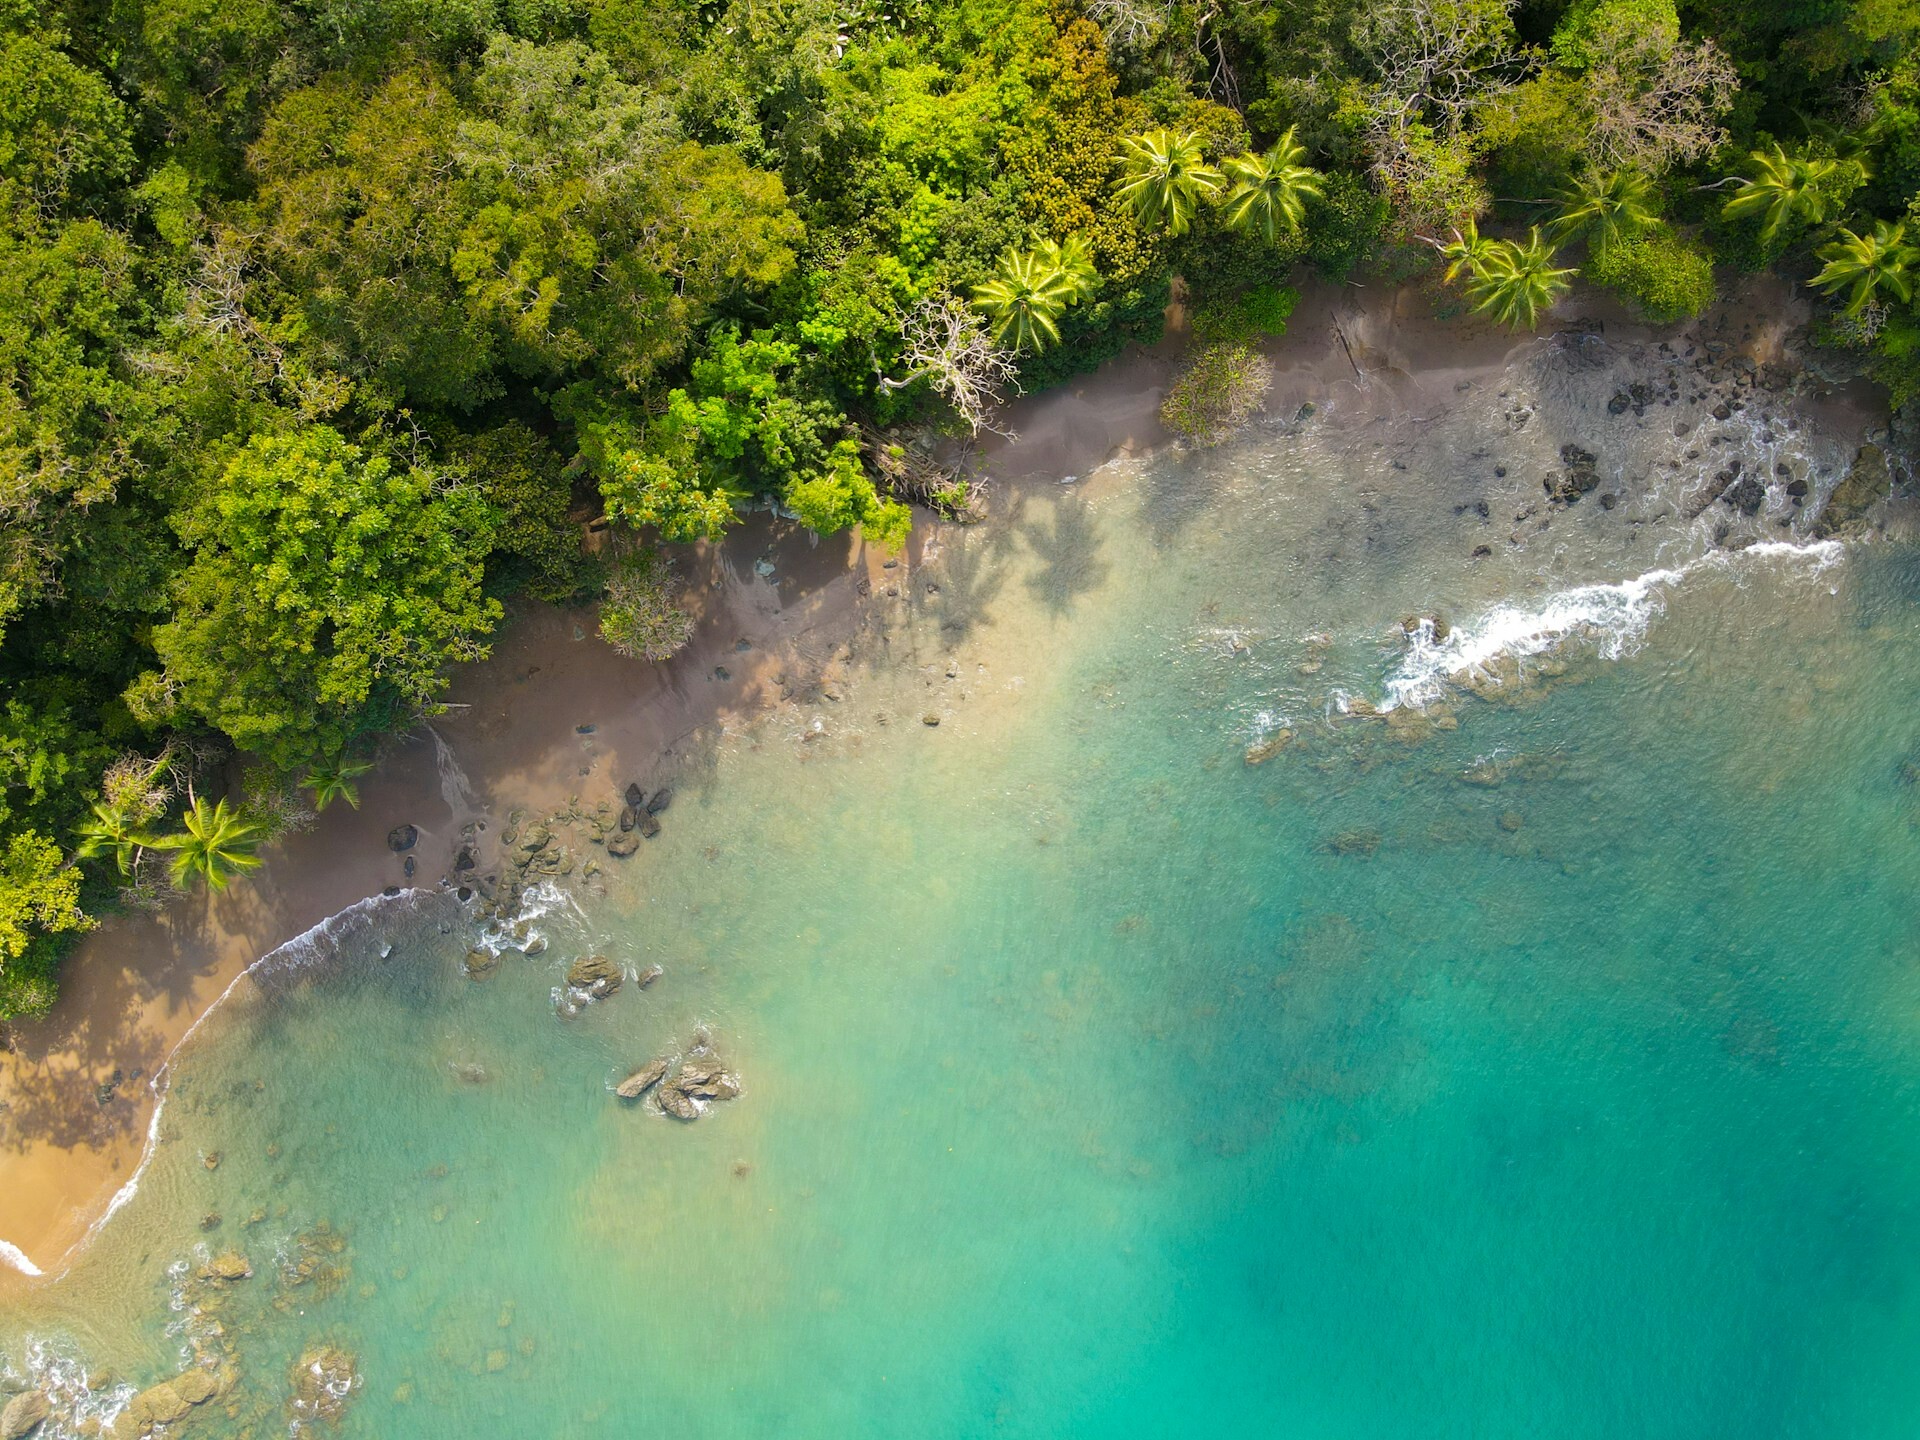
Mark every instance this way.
x=24 y=1413
x=165 y=1404
x=700 y=1080
x=595 y=975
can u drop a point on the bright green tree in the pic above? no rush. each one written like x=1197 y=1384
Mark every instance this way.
x=1073 y=258
x=335 y=779
x=1516 y=283
x=1783 y=188
x=1164 y=176
x=329 y=589
x=1866 y=265
x=1025 y=299
x=1270 y=191
x=214 y=844
x=1604 y=208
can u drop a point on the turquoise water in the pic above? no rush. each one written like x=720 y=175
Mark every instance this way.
x=1551 y=1069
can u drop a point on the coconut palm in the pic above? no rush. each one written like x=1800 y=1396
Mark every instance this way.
x=216 y=844
x=1073 y=258
x=1783 y=187
x=1466 y=252
x=1864 y=265
x=332 y=780
x=1515 y=283
x=132 y=795
x=1270 y=191
x=1604 y=207
x=111 y=828
x=1164 y=177
x=1024 y=300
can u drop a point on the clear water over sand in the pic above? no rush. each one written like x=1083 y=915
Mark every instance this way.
x=1545 y=1064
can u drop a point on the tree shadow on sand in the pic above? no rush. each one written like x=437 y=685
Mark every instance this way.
x=1067 y=545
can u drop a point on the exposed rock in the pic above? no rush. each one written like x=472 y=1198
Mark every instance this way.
x=1435 y=624
x=1746 y=495
x=402 y=837
x=706 y=1082
x=1865 y=484
x=636 y=797
x=623 y=843
x=661 y=799
x=196 y=1386
x=930 y=719
x=595 y=974
x=167 y=1403
x=229 y=1266
x=647 y=976
x=629 y=815
x=1581 y=475
x=534 y=839
x=679 y=1106
x=642 y=1080
x=1262 y=751
x=466 y=859
x=481 y=963
x=24 y=1413
x=324 y=1379
x=649 y=827
x=536 y=946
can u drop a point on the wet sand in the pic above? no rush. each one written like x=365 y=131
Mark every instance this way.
x=554 y=713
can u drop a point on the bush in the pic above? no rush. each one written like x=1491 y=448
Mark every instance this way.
x=1263 y=310
x=639 y=617
x=1224 y=388
x=1344 y=227
x=1662 y=276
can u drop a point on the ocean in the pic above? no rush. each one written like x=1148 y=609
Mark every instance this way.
x=1364 y=951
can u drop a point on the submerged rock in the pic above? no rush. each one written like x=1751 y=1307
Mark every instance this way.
x=481 y=963
x=24 y=1413
x=647 y=976
x=1355 y=842
x=595 y=974
x=229 y=1266
x=642 y=1080
x=622 y=843
x=324 y=1379
x=1262 y=751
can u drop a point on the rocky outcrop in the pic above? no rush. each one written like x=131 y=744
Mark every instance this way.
x=24 y=1414
x=1580 y=475
x=324 y=1379
x=643 y=1079
x=168 y=1403
x=227 y=1267
x=1867 y=482
x=595 y=974
x=402 y=837
x=1262 y=751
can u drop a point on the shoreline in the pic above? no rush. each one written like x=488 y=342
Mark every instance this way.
x=555 y=712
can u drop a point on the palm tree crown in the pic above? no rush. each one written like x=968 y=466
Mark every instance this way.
x=1782 y=186
x=1073 y=258
x=1466 y=252
x=216 y=844
x=1515 y=283
x=332 y=780
x=1864 y=265
x=1270 y=191
x=1025 y=298
x=1164 y=177
x=1605 y=207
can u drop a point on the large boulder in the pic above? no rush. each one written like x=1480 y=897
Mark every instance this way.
x=642 y=1080
x=679 y=1106
x=230 y=1266
x=636 y=798
x=402 y=837
x=661 y=799
x=595 y=974
x=25 y=1413
x=1866 y=483
x=622 y=843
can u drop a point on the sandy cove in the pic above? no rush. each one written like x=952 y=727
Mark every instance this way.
x=554 y=713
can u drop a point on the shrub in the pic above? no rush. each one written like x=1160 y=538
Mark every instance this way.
x=1345 y=226
x=1224 y=388
x=1662 y=276
x=1263 y=310
x=639 y=617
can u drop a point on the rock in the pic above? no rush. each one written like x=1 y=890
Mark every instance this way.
x=661 y=799
x=1355 y=842
x=636 y=797
x=1620 y=403
x=24 y=1413
x=629 y=817
x=196 y=1386
x=324 y=1379
x=534 y=839
x=649 y=826
x=1262 y=751
x=481 y=963
x=642 y=1080
x=536 y=946
x=679 y=1106
x=623 y=843
x=1745 y=495
x=1435 y=624
x=230 y=1266
x=930 y=720
x=466 y=859
x=1581 y=475
x=1511 y=821
x=647 y=976
x=708 y=1084
x=402 y=837
x=1866 y=483
x=1723 y=411
x=595 y=974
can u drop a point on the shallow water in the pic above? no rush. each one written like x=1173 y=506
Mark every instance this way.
x=1544 y=1063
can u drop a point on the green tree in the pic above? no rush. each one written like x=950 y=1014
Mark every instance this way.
x=214 y=844
x=1270 y=191
x=1164 y=177
x=39 y=906
x=1025 y=299
x=335 y=778
x=1604 y=207
x=1516 y=283
x=328 y=591
x=1785 y=188
x=1866 y=265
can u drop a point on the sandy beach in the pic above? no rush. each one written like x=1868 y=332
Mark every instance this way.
x=555 y=713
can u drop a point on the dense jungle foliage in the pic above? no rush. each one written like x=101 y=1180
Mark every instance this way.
x=325 y=325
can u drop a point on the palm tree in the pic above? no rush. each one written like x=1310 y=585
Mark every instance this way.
x=1164 y=177
x=1024 y=300
x=1783 y=186
x=1864 y=265
x=131 y=797
x=1466 y=253
x=1605 y=207
x=1073 y=258
x=1515 y=283
x=217 y=844
x=1270 y=191
x=110 y=828
x=332 y=780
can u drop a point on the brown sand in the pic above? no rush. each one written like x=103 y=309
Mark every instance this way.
x=516 y=727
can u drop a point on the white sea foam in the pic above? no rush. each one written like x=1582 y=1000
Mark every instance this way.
x=294 y=954
x=1612 y=617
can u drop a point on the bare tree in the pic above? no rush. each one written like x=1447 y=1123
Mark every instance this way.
x=1656 y=98
x=1131 y=25
x=948 y=344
